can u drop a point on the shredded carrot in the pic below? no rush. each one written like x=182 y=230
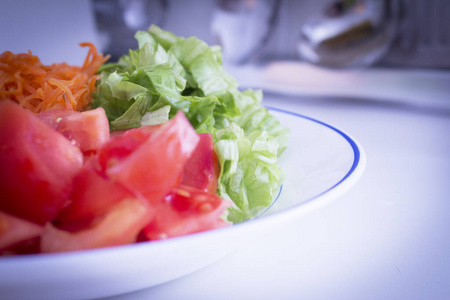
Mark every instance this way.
x=37 y=87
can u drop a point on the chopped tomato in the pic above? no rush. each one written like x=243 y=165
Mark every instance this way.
x=120 y=225
x=88 y=129
x=154 y=167
x=37 y=166
x=202 y=168
x=122 y=144
x=148 y=128
x=54 y=116
x=122 y=189
x=186 y=210
x=93 y=193
x=14 y=230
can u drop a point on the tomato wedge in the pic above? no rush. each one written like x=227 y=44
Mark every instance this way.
x=54 y=116
x=14 y=230
x=202 y=168
x=93 y=193
x=37 y=163
x=186 y=210
x=154 y=167
x=120 y=225
x=89 y=130
x=122 y=144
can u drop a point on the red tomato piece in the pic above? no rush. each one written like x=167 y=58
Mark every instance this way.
x=122 y=144
x=37 y=166
x=93 y=193
x=89 y=129
x=202 y=168
x=54 y=116
x=149 y=128
x=14 y=230
x=120 y=225
x=186 y=210
x=154 y=168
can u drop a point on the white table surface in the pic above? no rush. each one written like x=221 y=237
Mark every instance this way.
x=387 y=238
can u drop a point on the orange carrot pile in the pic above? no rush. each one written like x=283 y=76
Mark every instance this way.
x=37 y=87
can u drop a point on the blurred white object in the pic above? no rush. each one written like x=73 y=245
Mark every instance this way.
x=426 y=89
x=325 y=29
x=241 y=27
x=350 y=33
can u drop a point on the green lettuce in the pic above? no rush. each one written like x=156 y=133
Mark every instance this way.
x=169 y=73
x=249 y=174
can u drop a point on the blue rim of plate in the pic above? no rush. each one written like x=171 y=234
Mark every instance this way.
x=355 y=148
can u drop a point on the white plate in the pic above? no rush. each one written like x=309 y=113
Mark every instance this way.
x=321 y=162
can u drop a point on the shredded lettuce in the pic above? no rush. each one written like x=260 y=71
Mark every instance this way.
x=168 y=73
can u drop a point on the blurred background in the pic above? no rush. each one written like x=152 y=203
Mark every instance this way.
x=305 y=47
x=309 y=47
x=377 y=69
x=333 y=33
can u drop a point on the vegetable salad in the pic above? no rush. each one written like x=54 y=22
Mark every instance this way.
x=159 y=144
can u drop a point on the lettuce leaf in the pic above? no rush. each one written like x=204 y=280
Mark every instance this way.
x=250 y=175
x=168 y=73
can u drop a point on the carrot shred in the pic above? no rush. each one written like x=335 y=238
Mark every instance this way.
x=37 y=87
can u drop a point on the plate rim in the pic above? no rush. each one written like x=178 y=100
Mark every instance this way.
x=356 y=170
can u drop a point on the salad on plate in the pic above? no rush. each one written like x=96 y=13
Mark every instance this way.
x=159 y=144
